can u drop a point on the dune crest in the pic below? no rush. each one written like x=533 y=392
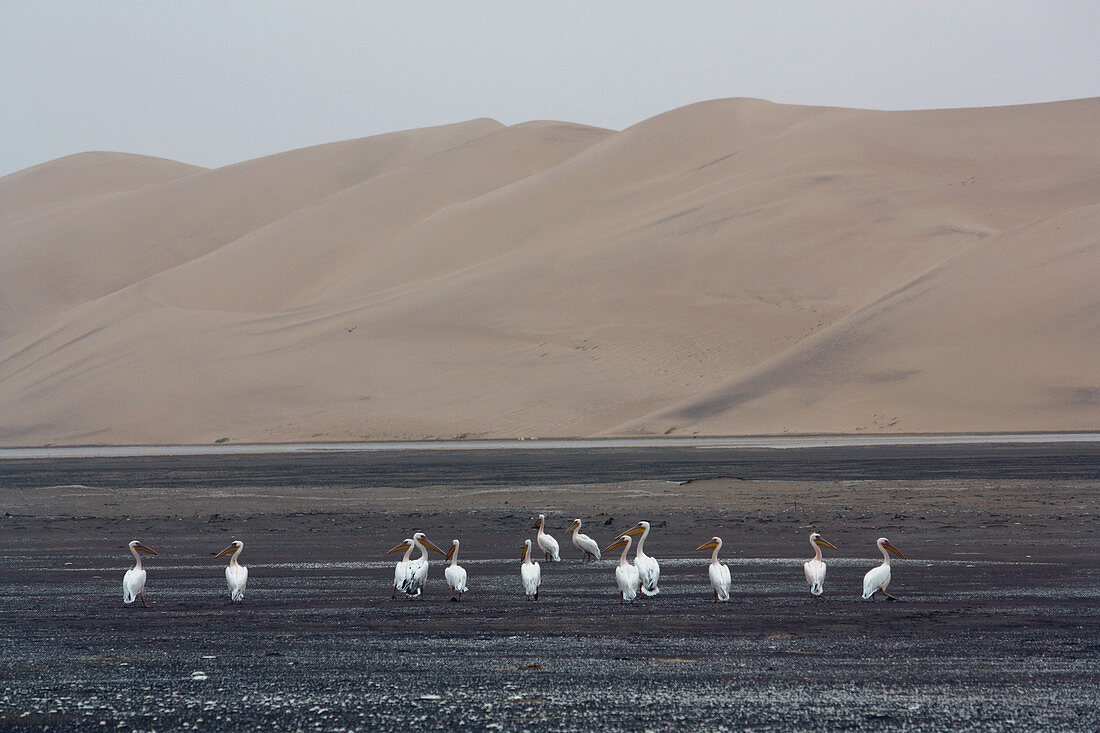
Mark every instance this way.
x=731 y=267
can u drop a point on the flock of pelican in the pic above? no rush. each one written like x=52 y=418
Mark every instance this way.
x=632 y=578
x=642 y=575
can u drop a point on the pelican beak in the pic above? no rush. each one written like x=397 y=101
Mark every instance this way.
x=572 y=527
x=826 y=543
x=613 y=545
x=523 y=553
x=143 y=548
x=431 y=545
x=707 y=546
x=227 y=551
x=633 y=531
x=400 y=548
x=536 y=524
x=450 y=553
x=896 y=552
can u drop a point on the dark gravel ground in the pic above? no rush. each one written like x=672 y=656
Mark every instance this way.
x=999 y=627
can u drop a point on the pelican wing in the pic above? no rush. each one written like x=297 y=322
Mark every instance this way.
x=401 y=574
x=133 y=582
x=550 y=545
x=628 y=580
x=584 y=543
x=815 y=575
x=415 y=577
x=650 y=572
x=876 y=579
x=456 y=577
x=721 y=581
x=236 y=576
x=531 y=574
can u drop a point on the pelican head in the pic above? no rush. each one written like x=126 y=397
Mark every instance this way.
x=885 y=543
x=453 y=550
x=233 y=547
x=538 y=522
x=135 y=545
x=639 y=528
x=622 y=541
x=819 y=540
x=423 y=539
x=715 y=543
x=574 y=526
x=401 y=548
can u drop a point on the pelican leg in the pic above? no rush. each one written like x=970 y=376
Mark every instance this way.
x=143 y=598
x=716 y=596
x=888 y=596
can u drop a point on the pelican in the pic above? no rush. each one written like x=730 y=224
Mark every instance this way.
x=401 y=570
x=648 y=568
x=236 y=575
x=548 y=544
x=530 y=573
x=626 y=574
x=719 y=573
x=583 y=542
x=815 y=566
x=876 y=579
x=133 y=582
x=417 y=572
x=455 y=573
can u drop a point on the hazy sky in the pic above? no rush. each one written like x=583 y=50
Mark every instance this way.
x=213 y=83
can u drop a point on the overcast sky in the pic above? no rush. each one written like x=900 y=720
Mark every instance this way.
x=212 y=83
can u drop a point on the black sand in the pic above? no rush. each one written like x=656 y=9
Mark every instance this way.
x=998 y=627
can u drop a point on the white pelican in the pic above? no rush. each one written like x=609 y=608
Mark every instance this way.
x=455 y=573
x=719 y=573
x=401 y=570
x=583 y=542
x=815 y=566
x=548 y=544
x=648 y=568
x=236 y=575
x=133 y=582
x=876 y=579
x=626 y=574
x=417 y=572
x=530 y=573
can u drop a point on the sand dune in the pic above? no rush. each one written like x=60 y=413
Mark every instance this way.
x=731 y=267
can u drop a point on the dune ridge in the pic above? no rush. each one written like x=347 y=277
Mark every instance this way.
x=731 y=267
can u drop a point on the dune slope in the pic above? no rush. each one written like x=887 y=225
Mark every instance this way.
x=730 y=267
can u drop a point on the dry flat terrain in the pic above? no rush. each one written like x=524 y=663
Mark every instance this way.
x=732 y=267
x=997 y=628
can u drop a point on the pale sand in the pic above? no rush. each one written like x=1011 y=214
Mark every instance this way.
x=733 y=267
